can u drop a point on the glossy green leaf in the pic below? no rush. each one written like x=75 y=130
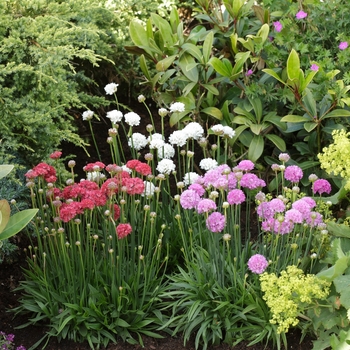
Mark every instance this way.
x=194 y=51
x=164 y=64
x=310 y=103
x=274 y=119
x=5 y=170
x=223 y=67
x=138 y=33
x=234 y=38
x=213 y=111
x=241 y=58
x=167 y=75
x=307 y=80
x=240 y=111
x=236 y=7
x=337 y=113
x=211 y=88
x=294 y=119
x=188 y=88
x=264 y=32
x=5 y=212
x=17 y=222
x=207 y=47
x=336 y=270
x=293 y=65
x=239 y=119
x=177 y=117
x=186 y=61
x=256 y=128
x=258 y=109
x=309 y=126
x=273 y=74
x=277 y=141
x=164 y=29
x=256 y=148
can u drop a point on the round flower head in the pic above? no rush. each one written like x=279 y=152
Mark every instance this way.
x=123 y=230
x=141 y=98
x=278 y=26
x=166 y=166
x=194 y=130
x=162 y=112
x=236 y=196
x=228 y=132
x=56 y=155
x=314 y=67
x=245 y=165
x=111 y=88
x=294 y=216
x=178 y=137
x=218 y=129
x=216 y=222
x=205 y=205
x=115 y=116
x=190 y=178
x=208 y=164
x=301 y=15
x=177 y=107
x=343 y=45
x=149 y=189
x=284 y=157
x=137 y=141
x=257 y=264
x=189 y=199
x=156 y=143
x=88 y=115
x=166 y=151
x=132 y=118
x=251 y=181
x=293 y=173
x=321 y=186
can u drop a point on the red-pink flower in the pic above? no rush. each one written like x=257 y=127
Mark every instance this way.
x=110 y=187
x=143 y=169
x=56 y=155
x=321 y=186
x=97 y=166
x=131 y=164
x=134 y=185
x=116 y=211
x=47 y=171
x=123 y=230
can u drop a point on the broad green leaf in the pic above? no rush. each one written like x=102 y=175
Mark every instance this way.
x=234 y=38
x=5 y=212
x=194 y=51
x=164 y=64
x=274 y=75
x=257 y=106
x=293 y=65
x=256 y=148
x=5 y=169
x=294 y=119
x=213 y=111
x=336 y=270
x=256 y=128
x=236 y=7
x=174 y=19
x=310 y=103
x=248 y=44
x=309 y=164
x=264 y=32
x=188 y=88
x=164 y=29
x=211 y=88
x=207 y=46
x=337 y=113
x=240 y=111
x=17 y=222
x=307 y=80
x=338 y=230
x=138 y=33
x=167 y=75
x=239 y=119
x=223 y=67
x=274 y=119
x=309 y=126
x=277 y=141
x=185 y=62
x=241 y=58
x=177 y=117
x=342 y=286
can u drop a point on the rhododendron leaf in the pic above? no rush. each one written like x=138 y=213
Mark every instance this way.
x=223 y=67
x=309 y=126
x=274 y=74
x=310 y=103
x=211 y=88
x=241 y=58
x=294 y=119
x=17 y=222
x=164 y=64
x=138 y=33
x=207 y=47
x=194 y=51
x=5 y=170
x=277 y=141
x=337 y=113
x=293 y=65
x=5 y=212
x=188 y=67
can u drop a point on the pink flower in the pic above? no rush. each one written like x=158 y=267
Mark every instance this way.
x=321 y=186
x=189 y=199
x=205 y=206
x=301 y=15
x=245 y=165
x=264 y=211
x=216 y=222
x=314 y=67
x=123 y=230
x=236 y=196
x=277 y=205
x=343 y=45
x=257 y=263
x=251 y=181
x=134 y=185
x=56 y=155
x=314 y=219
x=294 y=216
x=293 y=173
x=284 y=157
x=249 y=73
x=97 y=166
x=278 y=26
x=197 y=188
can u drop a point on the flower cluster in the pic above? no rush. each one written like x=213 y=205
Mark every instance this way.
x=6 y=342
x=42 y=170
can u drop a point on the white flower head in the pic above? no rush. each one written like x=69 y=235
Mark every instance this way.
x=218 y=129
x=111 y=88
x=166 y=166
x=228 y=132
x=95 y=176
x=125 y=168
x=87 y=115
x=132 y=119
x=155 y=136
x=190 y=178
x=141 y=98
x=149 y=189
x=137 y=141
x=115 y=116
x=178 y=137
x=162 y=112
x=208 y=164
x=156 y=143
x=194 y=130
x=166 y=151
x=177 y=107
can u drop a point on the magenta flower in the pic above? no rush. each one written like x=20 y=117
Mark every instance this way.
x=278 y=26
x=189 y=199
x=277 y=227
x=311 y=202
x=197 y=188
x=293 y=173
x=264 y=211
x=343 y=45
x=314 y=219
x=257 y=264
x=321 y=186
x=216 y=222
x=294 y=216
x=245 y=165
x=205 y=205
x=277 y=205
x=301 y=15
x=314 y=67
x=251 y=181
x=249 y=73
x=236 y=196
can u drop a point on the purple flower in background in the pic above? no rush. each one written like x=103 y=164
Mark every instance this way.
x=278 y=26
x=245 y=165
x=301 y=15
x=321 y=186
x=257 y=263
x=293 y=173
x=343 y=45
x=216 y=222
x=189 y=199
x=236 y=196
x=205 y=205
x=249 y=73
x=314 y=67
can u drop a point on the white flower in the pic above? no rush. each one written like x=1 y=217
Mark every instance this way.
x=95 y=176
x=141 y=98
x=125 y=168
x=87 y=115
x=111 y=88
x=137 y=141
x=190 y=178
x=208 y=164
x=162 y=112
x=177 y=107
x=149 y=189
x=194 y=130
x=155 y=136
x=218 y=129
x=166 y=151
x=115 y=116
x=132 y=118
x=156 y=144
x=178 y=137
x=166 y=166
x=228 y=132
